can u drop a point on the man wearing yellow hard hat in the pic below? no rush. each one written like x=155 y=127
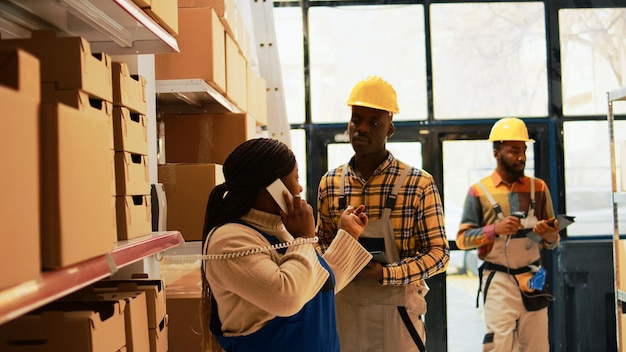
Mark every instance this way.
x=382 y=309
x=508 y=216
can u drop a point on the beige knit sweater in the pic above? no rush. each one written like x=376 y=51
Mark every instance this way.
x=251 y=290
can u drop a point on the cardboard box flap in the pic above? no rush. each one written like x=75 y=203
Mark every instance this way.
x=74 y=98
x=164 y=323
x=133 y=159
x=103 y=309
x=134 y=201
x=130 y=131
x=121 y=69
x=129 y=90
x=133 y=121
x=155 y=295
x=129 y=285
x=138 y=118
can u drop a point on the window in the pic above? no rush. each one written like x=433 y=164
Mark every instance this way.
x=588 y=175
x=593 y=54
x=288 y=26
x=349 y=43
x=489 y=60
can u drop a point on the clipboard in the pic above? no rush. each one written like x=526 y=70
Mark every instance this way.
x=379 y=256
x=564 y=221
x=372 y=244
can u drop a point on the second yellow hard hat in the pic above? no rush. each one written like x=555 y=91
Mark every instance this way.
x=509 y=129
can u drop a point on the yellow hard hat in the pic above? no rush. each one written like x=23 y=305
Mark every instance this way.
x=374 y=92
x=509 y=129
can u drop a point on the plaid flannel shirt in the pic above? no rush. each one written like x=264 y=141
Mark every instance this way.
x=417 y=217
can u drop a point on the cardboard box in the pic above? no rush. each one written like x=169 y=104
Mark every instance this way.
x=184 y=323
x=135 y=317
x=236 y=74
x=78 y=100
x=202 y=50
x=205 y=138
x=130 y=131
x=257 y=97
x=132 y=175
x=164 y=12
x=68 y=62
x=129 y=90
x=96 y=326
x=135 y=313
x=159 y=341
x=155 y=296
x=187 y=189
x=219 y=6
x=19 y=210
x=224 y=9
x=134 y=216
x=77 y=204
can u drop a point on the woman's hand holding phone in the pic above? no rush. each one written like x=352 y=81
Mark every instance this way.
x=299 y=219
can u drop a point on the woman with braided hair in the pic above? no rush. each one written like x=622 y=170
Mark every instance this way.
x=265 y=286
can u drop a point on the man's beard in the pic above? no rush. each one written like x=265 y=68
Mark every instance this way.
x=510 y=168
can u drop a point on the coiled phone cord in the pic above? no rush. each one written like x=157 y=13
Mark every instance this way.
x=295 y=242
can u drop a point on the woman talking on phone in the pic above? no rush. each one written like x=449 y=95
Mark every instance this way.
x=265 y=287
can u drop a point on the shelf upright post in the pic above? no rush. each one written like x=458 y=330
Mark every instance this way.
x=617 y=197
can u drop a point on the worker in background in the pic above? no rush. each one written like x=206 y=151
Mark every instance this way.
x=265 y=286
x=499 y=213
x=382 y=309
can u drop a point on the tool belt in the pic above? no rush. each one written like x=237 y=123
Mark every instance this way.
x=501 y=268
x=532 y=302
x=504 y=269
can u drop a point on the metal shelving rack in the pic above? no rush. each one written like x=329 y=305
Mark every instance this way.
x=618 y=198
x=116 y=27
x=51 y=285
x=190 y=96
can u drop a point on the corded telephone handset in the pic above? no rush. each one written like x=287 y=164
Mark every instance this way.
x=276 y=191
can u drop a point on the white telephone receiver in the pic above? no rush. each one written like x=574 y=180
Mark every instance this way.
x=276 y=191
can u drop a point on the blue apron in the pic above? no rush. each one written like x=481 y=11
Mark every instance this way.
x=312 y=329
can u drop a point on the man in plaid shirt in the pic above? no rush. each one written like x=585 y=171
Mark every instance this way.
x=382 y=309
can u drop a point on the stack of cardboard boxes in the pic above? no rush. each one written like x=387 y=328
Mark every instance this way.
x=213 y=43
x=157 y=320
x=130 y=129
x=77 y=177
x=94 y=326
x=60 y=100
x=109 y=316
